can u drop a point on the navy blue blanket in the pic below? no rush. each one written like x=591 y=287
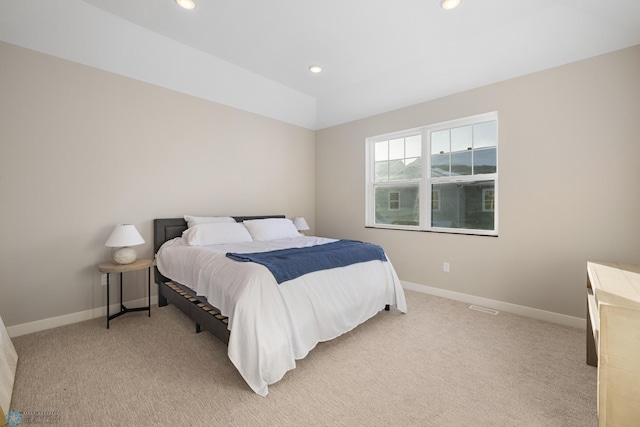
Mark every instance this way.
x=287 y=264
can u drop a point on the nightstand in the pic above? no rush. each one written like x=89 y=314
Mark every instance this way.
x=110 y=267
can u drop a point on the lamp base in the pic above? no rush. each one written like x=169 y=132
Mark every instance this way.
x=125 y=255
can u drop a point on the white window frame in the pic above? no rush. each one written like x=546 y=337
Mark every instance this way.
x=370 y=174
x=426 y=181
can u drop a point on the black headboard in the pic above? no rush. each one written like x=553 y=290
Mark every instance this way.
x=166 y=229
x=169 y=228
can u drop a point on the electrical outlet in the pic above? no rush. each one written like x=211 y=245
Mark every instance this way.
x=445 y=267
x=104 y=279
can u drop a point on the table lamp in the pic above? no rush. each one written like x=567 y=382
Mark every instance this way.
x=123 y=236
x=301 y=224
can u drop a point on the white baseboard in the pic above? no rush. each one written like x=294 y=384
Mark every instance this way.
x=67 y=319
x=534 y=313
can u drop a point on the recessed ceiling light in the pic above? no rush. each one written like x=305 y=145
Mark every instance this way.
x=449 y=4
x=315 y=69
x=186 y=4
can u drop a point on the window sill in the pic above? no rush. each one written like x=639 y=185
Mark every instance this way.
x=463 y=232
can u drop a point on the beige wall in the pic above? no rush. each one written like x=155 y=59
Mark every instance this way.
x=569 y=185
x=82 y=150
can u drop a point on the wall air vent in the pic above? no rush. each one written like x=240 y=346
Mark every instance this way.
x=484 y=309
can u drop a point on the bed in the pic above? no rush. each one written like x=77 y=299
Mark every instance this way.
x=268 y=318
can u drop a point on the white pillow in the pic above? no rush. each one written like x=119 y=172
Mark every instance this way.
x=271 y=229
x=195 y=220
x=216 y=233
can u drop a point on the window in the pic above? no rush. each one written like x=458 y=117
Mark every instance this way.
x=394 y=200
x=455 y=191
x=396 y=174
x=435 y=200
x=488 y=200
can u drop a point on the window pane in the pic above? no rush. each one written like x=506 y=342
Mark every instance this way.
x=413 y=146
x=461 y=163
x=396 y=170
x=398 y=159
x=461 y=139
x=485 y=134
x=381 y=150
x=440 y=165
x=440 y=142
x=462 y=205
x=406 y=212
x=484 y=160
x=396 y=149
x=440 y=148
x=382 y=171
x=413 y=168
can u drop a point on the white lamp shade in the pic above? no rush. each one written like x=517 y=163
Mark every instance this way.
x=124 y=235
x=300 y=223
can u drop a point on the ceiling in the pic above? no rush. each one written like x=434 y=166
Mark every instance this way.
x=381 y=55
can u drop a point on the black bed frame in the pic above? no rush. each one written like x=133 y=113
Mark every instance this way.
x=205 y=315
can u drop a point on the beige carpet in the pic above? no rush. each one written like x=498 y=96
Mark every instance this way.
x=441 y=364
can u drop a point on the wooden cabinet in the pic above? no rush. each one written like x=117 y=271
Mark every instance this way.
x=8 y=366
x=613 y=340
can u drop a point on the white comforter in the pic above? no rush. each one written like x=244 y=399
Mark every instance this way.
x=273 y=325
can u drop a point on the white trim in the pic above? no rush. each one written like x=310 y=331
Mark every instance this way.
x=548 y=316
x=68 y=319
x=464 y=121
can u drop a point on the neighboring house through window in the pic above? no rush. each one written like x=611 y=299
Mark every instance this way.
x=488 y=200
x=440 y=177
x=394 y=200
x=435 y=200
